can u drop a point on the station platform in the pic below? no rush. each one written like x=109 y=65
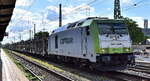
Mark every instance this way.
x=8 y=70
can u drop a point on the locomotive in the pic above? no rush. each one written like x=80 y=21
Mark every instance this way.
x=95 y=42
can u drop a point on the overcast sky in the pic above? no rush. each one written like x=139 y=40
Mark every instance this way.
x=44 y=13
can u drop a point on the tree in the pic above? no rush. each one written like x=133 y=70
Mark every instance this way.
x=136 y=34
x=41 y=34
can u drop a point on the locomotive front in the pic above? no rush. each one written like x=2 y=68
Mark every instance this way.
x=112 y=44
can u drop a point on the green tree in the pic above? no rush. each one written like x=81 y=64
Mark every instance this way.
x=41 y=34
x=136 y=34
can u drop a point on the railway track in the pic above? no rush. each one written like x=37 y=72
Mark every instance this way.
x=127 y=75
x=139 y=72
x=81 y=73
x=37 y=77
x=142 y=64
x=41 y=72
x=141 y=68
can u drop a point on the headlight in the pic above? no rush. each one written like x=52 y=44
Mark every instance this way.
x=103 y=50
x=127 y=49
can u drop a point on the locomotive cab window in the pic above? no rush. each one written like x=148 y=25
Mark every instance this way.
x=56 y=41
x=112 y=28
x=79 y=24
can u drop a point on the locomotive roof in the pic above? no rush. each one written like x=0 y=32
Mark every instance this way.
x=80 y=23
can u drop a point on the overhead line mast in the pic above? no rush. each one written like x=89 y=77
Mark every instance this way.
x=60 y=16
x=117 y=9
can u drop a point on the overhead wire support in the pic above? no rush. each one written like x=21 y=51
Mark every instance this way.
x=117 y=10
x=34 y=29
x=60 y=16
x=134 y=5
x=91 y=2
x=79 y=7
x=138 y=2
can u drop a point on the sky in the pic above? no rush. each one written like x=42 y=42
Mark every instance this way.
x=44 y=14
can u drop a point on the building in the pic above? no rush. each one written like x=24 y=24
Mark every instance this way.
x=146 y=30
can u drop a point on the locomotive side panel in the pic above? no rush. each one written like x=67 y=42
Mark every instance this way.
x=66 y=43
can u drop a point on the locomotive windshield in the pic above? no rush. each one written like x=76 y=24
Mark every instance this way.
x=112 y=28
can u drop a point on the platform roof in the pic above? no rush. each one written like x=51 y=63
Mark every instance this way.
x=6 y=11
